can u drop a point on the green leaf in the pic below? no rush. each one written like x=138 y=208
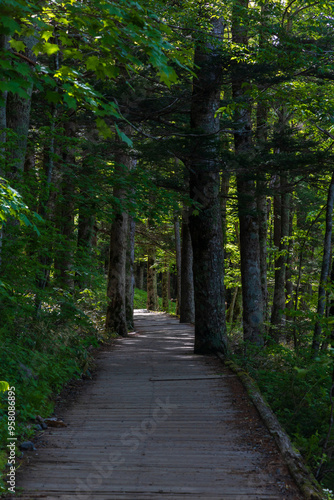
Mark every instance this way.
x=46 y=35
x=92 y=63
x=50 y=48
x=70 y=101
x=124 y=137
x=17 y=45
x=4 y=386
x=53 y=96
x=103 y=128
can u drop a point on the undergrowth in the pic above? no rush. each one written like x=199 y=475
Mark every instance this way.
x=140 y=302
x=298 y=389
x=39 y=355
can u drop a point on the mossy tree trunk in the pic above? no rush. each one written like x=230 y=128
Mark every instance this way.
x=130 y=279
x=204 y=182
x=116 y=319
x=152 y=292
x=252 y=298
x=187 y=302
x=325 y=269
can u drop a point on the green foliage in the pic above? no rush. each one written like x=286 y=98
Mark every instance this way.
x=39 y=355
x=12 y=205
x=140 y=301
x=297 y=388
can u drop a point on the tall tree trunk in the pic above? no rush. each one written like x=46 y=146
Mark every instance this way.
x=262 y=205
x=4 y=45
x=289 y=261
x=140 y=268
x=152 y=293
x=65 y=209
x=116 y=320
x=164 y=282
x=252 y=298
x=130 y=278
x=178 y=262
x=277 y=314
x=18 y=118
x=187 y=303
x=325 y=269
x=204 y=181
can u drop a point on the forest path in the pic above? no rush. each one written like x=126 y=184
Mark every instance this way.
x=158 y=422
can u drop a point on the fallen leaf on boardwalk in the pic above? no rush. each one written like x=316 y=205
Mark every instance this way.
x=54 y=422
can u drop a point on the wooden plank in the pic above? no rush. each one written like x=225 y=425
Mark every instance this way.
x=182 y=379
x=173 y=440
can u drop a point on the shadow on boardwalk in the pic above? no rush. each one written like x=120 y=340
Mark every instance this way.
x=158 y=422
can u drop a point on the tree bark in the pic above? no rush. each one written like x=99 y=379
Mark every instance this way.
x=116 y=320
x=204 y=181
x=130 y=279
x=325 y=269
x=152 y=293
x=187 y=303
x=165 y=279
x=178 y=262
x=277 y=314
x=65 y=211
x=18 y=118
x=252 y=298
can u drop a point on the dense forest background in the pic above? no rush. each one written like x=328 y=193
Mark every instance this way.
x=184 y=148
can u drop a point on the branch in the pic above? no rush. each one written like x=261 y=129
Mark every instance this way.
x=25 y=58
x=328 y=134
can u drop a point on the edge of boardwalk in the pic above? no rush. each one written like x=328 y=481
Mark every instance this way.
x=303 y=477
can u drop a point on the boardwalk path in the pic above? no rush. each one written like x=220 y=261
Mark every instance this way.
x=158 y=423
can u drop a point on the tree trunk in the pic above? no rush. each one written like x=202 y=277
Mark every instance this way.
x=165 y=279
x=289 y=260
x=205 y=222
x=252 y=298
x=65 y=209
x=116 y=320
x=130 y=279
x=263 y=230
x=325 y=269
x=140 y=275
x=262 y=205
x=152 y=293
x=178 y=262
x=277 y=314
x=18 y=118
x=187 y=305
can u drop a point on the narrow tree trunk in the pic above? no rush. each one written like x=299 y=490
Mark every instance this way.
x=140 y=275
x=116 y=314
x=325 y=269
x=277 y=315
x=178 y=261
x=263 y=230
x=224 y=189
x=206 y=224
x=65 y=208
x=18 y=118
x=262 y=205
x=152 y=293
x=116 y=320
x=288 y=277
x=165 y=279
x=187 y=305
x=252 y=298
x=130 y=279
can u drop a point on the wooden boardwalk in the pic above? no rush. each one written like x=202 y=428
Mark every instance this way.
x=158 y=422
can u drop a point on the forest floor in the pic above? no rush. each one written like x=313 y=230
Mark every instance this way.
x=157 y=422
